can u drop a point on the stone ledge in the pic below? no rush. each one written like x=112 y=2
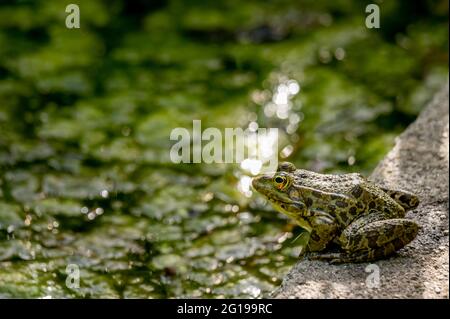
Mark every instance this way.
x=419 y=162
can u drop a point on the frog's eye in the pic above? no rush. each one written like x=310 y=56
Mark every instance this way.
x=280 y=181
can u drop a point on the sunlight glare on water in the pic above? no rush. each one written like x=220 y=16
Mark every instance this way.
x=244 y=185
x=280 y=104
x=262 y=148
x=252 y=165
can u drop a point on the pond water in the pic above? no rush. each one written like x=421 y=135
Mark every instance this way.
x=86 y=115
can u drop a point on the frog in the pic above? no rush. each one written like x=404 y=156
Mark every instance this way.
x=362 y=220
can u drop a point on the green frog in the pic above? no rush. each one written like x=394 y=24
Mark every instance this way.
x=364 y=221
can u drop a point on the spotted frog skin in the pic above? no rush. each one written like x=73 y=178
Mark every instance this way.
x=364 y=220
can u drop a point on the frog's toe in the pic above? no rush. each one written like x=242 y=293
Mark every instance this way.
x=312 y=255
x=337 y=261
x=325 y=257
x=338 y=258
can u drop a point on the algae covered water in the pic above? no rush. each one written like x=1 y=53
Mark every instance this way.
x=86 y=115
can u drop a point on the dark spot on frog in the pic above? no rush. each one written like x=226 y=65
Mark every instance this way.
x=344 y=218
x=372 y=205
x=372 y=241
x=314 y=236
x=352 y=210
x=340 y=203
x=308 y=202
x=357 y=191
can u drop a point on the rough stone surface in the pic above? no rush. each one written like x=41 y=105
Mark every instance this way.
x=419 y=162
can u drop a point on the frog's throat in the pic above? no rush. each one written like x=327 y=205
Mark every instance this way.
x=299 y=219
x=283 y=206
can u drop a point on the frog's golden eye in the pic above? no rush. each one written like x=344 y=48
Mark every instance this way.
x=280 y=181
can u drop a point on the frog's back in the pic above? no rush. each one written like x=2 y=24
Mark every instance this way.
x=330 y=183
x=363 y=194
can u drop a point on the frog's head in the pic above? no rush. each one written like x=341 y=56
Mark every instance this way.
x=280 y=190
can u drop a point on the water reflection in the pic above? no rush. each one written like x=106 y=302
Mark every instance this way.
x=277 y=111
x=280 y=104
x=244 y=185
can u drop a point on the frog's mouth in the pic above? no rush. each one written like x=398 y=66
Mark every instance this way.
x=282 y=205
x=291 y=208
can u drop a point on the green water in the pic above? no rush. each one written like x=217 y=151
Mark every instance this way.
x=86 y=114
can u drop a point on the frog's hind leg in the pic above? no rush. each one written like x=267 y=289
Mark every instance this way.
x=377 y=239
x=367 y=240
x=406 y=199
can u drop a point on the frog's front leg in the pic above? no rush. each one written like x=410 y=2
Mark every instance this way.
x=324 y=230
x=367 y=239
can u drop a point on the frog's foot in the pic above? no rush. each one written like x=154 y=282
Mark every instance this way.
x=332 y=251
x=406 y=199
x=330 y=257
x=357 y=257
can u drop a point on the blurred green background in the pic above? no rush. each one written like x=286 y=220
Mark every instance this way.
x=86 y=114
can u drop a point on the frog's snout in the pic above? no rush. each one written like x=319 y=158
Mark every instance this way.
x=255 y=182
x=260 y=182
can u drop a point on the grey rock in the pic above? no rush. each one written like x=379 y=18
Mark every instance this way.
x=419 y=162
